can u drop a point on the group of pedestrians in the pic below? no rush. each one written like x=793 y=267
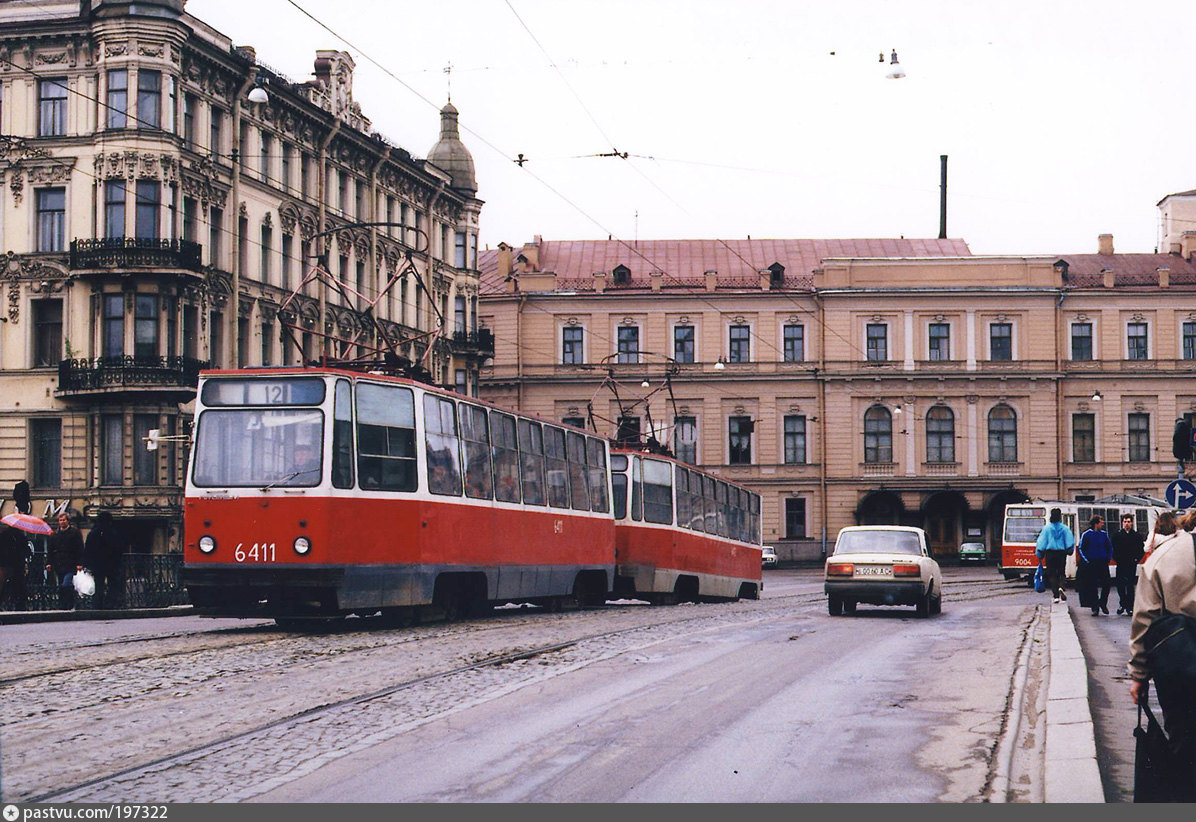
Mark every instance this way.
x=1154 y=578
x=67 y=554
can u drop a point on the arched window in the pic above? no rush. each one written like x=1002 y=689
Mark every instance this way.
x=940 y=434
x=1002 y=434
x=878 y=434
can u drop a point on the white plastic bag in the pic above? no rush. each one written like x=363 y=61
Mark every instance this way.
x=85 y=583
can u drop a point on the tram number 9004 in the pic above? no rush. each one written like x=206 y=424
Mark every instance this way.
x=260 y=552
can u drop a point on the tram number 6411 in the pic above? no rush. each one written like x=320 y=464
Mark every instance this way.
x=260 y=552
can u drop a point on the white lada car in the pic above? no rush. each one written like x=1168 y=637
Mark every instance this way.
x=883 y=565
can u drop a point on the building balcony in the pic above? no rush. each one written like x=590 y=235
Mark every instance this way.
x=117 y=375
x=478 y=343
x=1003 y=469
x=878 y=469
x=940 y=469
x=134 y=253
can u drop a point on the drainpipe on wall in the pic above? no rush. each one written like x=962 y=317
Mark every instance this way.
x=1060 y=422
x=820 y=377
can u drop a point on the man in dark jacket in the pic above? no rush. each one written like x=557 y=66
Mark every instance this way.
x=1128 y=549
x=65 y=558
x=1092 y=567
x=14 y=553
x=102 y=551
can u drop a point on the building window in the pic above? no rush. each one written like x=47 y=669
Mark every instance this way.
x=627 y=433
x=149 y=194
x=685 y=439
x=459 y=317
x=51 y=219
x=1083 y=437
x=1189 y=341
x=1139 y=438
x=940 y=434
x=112 y=449
x=1081 y=342
x=242 y=342
x=940 y=342
x=190 y=331
x=265 y=147
x=794 y=343
x=46 y=436
x=216 y=338
x=145 y=325
x=795 y=440
x=145 y=462
x=215 y=236
x=288 y=242
x=285 y=182
x=267 y=343
x=1002 y=434
x=576 y=422
x=571 y=345
x=1135 y=340
x=459 y=250
x=1000 y=342
x=190 y=106
x=113 y=344
x=149 y=98
x=51 y=107
x=266 y=244
x=629 y=344
x=190 y=219
x=877 y=342
x=114 y=208
x=795 y=518
x=739 y=345
x=216 y=130
x=878 y=434
x=683 y=343
x=118 y=98
x=47 y=332
x=739 y=431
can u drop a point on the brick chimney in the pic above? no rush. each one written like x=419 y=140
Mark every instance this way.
x=657 y=278
x=711 y=280
x=1110 y=278
x=1164 y=276
x=1104 y=244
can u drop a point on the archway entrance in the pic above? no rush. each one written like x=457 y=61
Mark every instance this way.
x=880 y=508
x=943 y=518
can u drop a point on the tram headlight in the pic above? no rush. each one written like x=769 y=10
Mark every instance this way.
x=207 y=544
x=302 y=545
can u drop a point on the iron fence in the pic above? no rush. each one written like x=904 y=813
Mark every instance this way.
x=128 y=371
x=141 y=581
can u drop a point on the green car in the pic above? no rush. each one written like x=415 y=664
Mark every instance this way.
x=973 y=552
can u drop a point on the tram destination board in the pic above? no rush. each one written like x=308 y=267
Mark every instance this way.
x=266 y=391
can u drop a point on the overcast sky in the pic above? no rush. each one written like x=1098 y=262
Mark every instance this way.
x=1061 y=120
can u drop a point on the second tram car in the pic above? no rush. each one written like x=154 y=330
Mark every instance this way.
x=319 y=492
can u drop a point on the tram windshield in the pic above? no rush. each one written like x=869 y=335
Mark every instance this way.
x=259 y=447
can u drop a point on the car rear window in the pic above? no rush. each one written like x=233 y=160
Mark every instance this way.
x=878 y=542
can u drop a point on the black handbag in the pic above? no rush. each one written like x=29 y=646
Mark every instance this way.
x=1153 y=760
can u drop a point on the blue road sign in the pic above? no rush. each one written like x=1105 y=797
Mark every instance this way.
x=1181 y=493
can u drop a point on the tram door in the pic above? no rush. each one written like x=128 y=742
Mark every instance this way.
x=940 y=531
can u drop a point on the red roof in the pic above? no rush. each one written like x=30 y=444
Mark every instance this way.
x=1088 y=270
x=684 y=263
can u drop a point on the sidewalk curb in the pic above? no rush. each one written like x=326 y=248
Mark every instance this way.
x=1071 y=771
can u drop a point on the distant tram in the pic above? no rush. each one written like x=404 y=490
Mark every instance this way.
x=320 y=492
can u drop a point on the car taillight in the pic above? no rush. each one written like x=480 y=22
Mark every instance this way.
x=906 y=571
x=840 y=569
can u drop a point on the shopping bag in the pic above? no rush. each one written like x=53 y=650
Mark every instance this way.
x=1040 y=580
x=85 y=583
x=1153 y=765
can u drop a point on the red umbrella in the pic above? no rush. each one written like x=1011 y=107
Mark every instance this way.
x=27 y=522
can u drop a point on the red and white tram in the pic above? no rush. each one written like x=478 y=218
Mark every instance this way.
x=682 y=534
x=317 y=491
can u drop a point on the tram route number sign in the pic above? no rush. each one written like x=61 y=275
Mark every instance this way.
x=1181 y=493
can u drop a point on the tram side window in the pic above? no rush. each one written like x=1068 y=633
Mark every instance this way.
x=637 y=489
x=596 y=474
x=506 y=457
x=720 y=491
x=682 y=480
x=618 y=483
x=697 y=516
x=531 y=462
x=386 y=438
x=708 y=505
x=754 y=535
x=440 y=437
x=342 y=436
x=556 y=466
x=475 y=439
x=658 y=492
x=576 y=449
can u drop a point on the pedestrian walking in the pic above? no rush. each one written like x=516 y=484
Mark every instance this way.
x=1092 y=567
x=1055 y=543
x=102 y=552
x=1129 y=546
x=14 y=554
x=1167 y=586
x=65 y=555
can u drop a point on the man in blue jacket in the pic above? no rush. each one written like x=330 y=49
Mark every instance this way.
x=1092 y=567
x=1055 y=542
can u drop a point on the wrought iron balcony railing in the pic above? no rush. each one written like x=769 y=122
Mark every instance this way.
x=482 y=340
x=135 y=252
x=128 y=372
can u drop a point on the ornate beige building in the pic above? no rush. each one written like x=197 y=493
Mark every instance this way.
x=900 y=381
x=162 y=193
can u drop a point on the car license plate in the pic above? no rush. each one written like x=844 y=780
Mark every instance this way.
x=873 y=571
